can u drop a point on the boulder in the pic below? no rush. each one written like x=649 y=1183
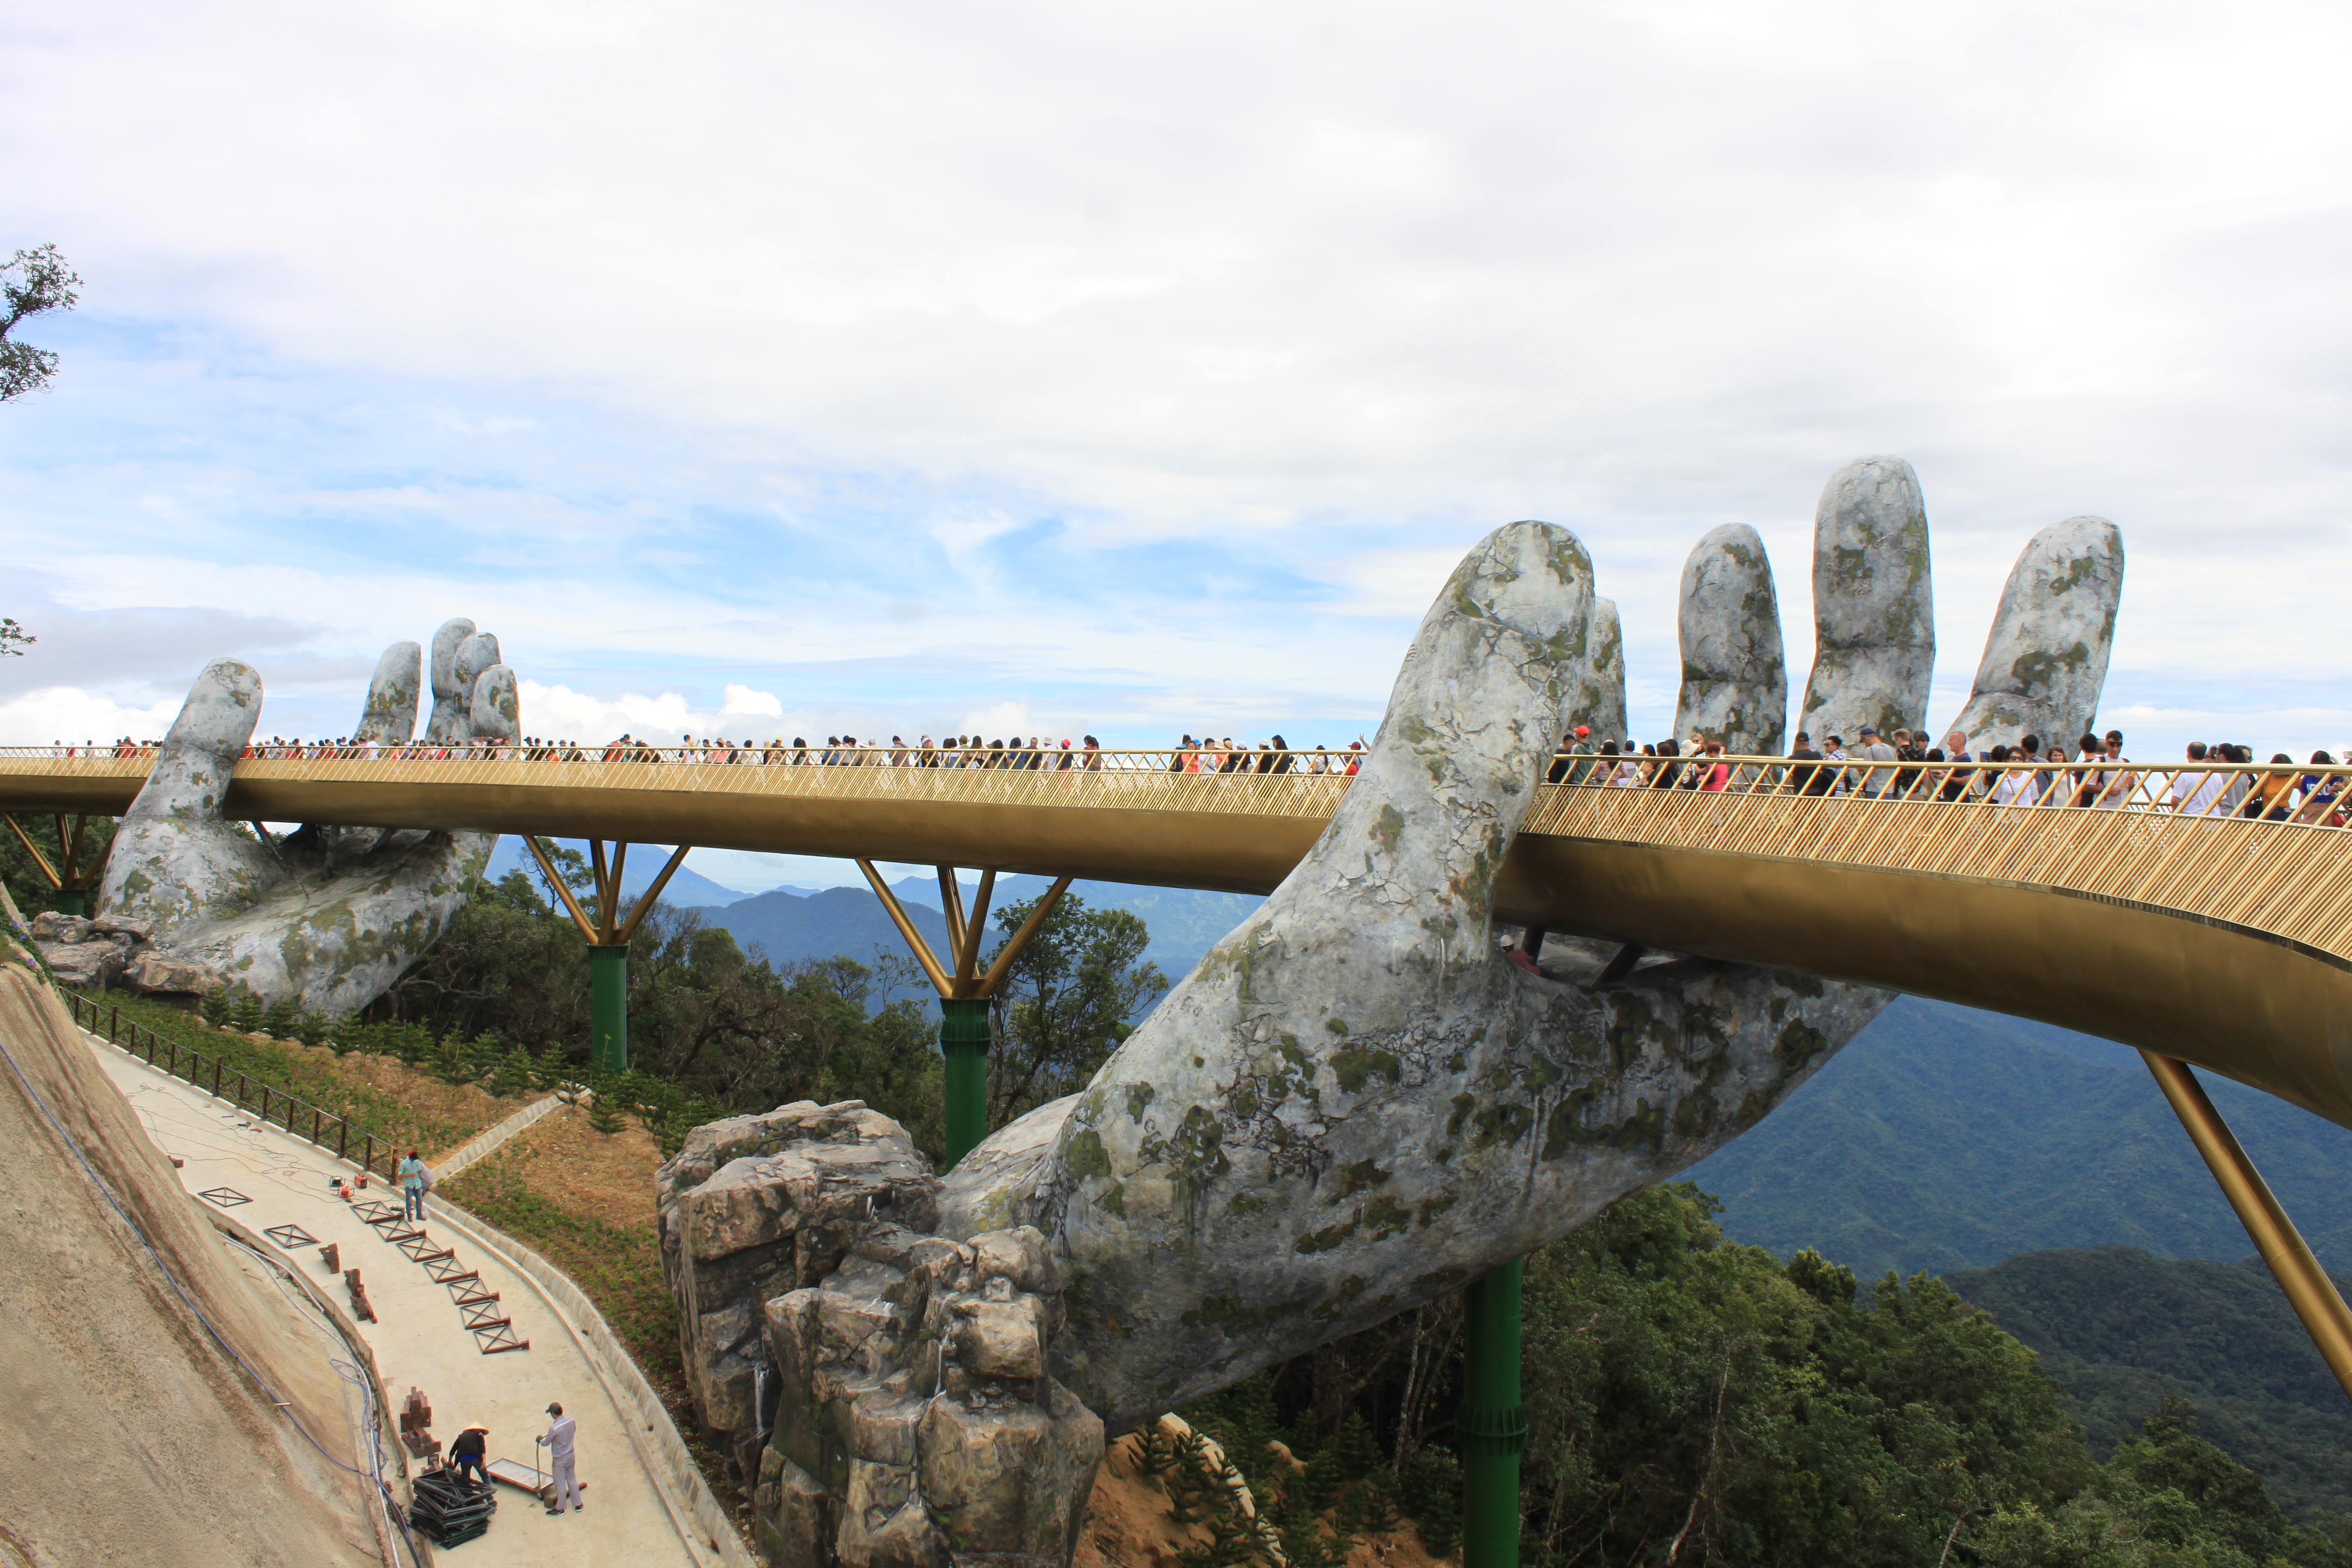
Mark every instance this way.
x=911 y=1418
x=124 y=926
x=157 y=974
x=50 y=926
x=84 y=965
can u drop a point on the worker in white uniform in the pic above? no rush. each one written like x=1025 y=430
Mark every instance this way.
x=558 y=1444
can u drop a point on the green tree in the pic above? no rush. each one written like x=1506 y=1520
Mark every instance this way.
x=32 y=283
x=1070 y=997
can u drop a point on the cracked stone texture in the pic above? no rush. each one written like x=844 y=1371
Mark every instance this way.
x=916 y=1422
x=328 y=916
x=1735 y=679
x=390 y=716
x=1597 y=692
x=2045 y=660
x=1874 y=604
x=449 y=699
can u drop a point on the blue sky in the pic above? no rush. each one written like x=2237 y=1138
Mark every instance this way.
x=895 y=367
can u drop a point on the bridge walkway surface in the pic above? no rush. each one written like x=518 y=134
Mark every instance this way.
x=2132 y=902
x=420 y=1339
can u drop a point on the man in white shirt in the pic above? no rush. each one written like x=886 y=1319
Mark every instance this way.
x=558 y=1442
x=2195 y=791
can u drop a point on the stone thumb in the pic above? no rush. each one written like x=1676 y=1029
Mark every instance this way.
x=190 y=780
x=389 y=716
x=1412 y=851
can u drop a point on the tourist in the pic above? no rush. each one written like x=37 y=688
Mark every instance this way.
x=2267 y=801
x=1624 y=773
x=1716 y=776
x=2195 y=791
x=1874 y=781
x=559 y=1440
x=2319 y=793
x=411 y=1172
x=1094 y=754
x=1959 y=782
x=1668 y=771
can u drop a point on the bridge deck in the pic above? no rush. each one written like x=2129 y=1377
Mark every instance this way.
x=2218 y=938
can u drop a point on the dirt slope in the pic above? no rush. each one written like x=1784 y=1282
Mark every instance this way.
x=127 y=1435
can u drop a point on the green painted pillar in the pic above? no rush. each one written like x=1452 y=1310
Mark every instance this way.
x=73 y=900
x=1492 y=1425
x=963 y=1040
x=608 y=1006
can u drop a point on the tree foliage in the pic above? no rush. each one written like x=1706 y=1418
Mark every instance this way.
x=32 y=282
x=1070 y=997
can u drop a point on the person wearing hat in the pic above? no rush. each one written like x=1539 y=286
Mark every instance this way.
x=558 y=1442
x=466 y=1454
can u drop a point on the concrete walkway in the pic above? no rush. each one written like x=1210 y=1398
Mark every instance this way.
x=421 y=1340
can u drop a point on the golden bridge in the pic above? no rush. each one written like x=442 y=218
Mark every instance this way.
x=2201 y=912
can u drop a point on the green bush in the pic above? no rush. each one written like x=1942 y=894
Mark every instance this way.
x=310 y=1028
x=516 y=1073
x=216 y=1007
x=605 y=1112
x=278 y=1018
x=342 y=1033
x=245 y=1014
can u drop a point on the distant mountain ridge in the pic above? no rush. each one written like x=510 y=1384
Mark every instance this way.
x=2120 y=1330
x=1943 y=1138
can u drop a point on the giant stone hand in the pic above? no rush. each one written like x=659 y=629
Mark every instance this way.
x=328 y=916
x=1355 y=1102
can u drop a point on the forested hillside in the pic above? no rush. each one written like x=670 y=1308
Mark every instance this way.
x=2121 y=1330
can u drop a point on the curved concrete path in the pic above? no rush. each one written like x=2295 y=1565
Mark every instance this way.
x=419 y=1339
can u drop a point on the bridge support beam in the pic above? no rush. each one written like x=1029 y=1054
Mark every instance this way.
x=608 y=932
x=2308 y=1289
x=1492 y=1423
x=964 y=990
x=71 y=883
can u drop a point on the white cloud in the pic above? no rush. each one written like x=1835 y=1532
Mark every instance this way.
x=70 y=714
x=743 y=700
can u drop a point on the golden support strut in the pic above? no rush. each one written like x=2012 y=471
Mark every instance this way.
x=69 y=852
x=961 y=978
x=2308 y=1289
x=606 y=929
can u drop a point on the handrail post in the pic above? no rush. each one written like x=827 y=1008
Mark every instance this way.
x=342 y=1137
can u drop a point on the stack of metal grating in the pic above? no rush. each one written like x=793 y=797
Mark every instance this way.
x=450 y=1512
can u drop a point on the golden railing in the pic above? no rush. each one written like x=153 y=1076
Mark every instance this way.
x=2259 y=846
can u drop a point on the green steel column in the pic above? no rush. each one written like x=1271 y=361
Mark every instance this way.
x=608 y=1006
x=1491 y=1424
x=963 y=1040
x=73 y=900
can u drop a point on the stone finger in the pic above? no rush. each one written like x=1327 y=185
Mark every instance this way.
x=1873 y=607
x=389 y=716
x=1735 y=684
x=449 y=699
x=2045 y=660
x=1597 y=698
x=174 y=859
x=497 y=710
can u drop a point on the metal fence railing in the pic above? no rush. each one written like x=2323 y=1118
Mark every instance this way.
x=272 y=1105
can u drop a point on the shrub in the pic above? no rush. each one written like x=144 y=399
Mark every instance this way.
x=605 y=1112
x=516 y=1073
x=1430 y=1492
x=216 y=1007
x=245 y=1012
x=278 y=1018
x=310 y=1028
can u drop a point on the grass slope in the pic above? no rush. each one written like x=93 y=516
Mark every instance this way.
x=2120 y=1329
x=1945 y=1138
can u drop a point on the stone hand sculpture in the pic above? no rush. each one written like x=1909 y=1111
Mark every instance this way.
x=1353 y=1103
x=328 y=916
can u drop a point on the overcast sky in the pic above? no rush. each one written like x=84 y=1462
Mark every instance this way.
x=889 y=367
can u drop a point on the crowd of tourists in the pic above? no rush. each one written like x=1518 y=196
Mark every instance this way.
x=1903 y=764
x=2217 y=779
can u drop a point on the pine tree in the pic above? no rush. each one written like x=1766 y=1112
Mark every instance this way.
x=216 y=1007
x=310 y=1028
x=516 y=1074
x=277 y=1019
x=605 y=1113
x=245 y=1012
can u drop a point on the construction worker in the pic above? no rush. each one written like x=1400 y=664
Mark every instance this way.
x=558 y=1444
x=466 y=1454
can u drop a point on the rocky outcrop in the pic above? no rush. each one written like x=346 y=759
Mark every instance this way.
x=1734 y=680
x=93 y=955
x=2045 y=660
x=1597 y=699
x=911 y=1416
x=1873 y=602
